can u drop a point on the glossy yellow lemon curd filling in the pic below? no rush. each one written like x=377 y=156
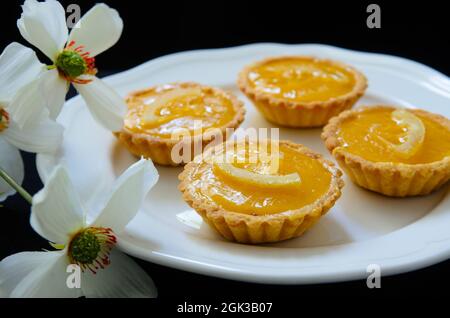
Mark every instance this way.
x=398 y=136
x=301 y=79
x=244 y=185
x=167 y=109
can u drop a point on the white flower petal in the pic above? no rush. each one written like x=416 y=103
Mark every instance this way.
x=11 y=162
x=57 y=211
x=106 y=106
x=43 y=24
x=123 y=278
x=98 y=30
x=14 y=268
x=41 y=136
x=128 y=193
x=47 y=279
x=27 y=105
x=19 y=65
x=54 y=89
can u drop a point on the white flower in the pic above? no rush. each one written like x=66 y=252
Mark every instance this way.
x=24 y=121
x=59 y=216
x=43 y=24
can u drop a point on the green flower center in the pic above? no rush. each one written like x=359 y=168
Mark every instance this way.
x=90 y=248
x=85 y=247
x=71 y=63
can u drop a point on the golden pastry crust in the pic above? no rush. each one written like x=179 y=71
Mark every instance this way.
x=301 y=114
x=255 y=229
x=159 y=149
x=388 y=178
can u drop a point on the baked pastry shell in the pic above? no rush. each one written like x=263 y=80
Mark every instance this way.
x=256 y=229
x=388 y=178
x=160 y=149
x=301 y=114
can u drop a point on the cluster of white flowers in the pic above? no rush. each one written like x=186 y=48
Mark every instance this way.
x=32 y=95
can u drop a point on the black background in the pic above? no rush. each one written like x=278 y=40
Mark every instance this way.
x=415 y=30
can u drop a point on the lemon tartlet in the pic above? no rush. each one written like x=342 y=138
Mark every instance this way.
x=301 y=91
x=395 y=152
x=161 y=116
x=248 y=201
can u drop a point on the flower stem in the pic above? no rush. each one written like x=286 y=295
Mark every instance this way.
x=16 y=186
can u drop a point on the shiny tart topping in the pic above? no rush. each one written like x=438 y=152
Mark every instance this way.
x=301 y=79
x=167 y=109
x=248 y=182
x=394 y=135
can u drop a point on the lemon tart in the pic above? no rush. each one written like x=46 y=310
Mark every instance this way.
x=166 y=122
x=300 y=91
x=244 y=196
x=396 y=152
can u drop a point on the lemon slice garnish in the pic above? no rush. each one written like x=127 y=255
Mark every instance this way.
x=264 y=180
x=415 y=133
x=165 y=99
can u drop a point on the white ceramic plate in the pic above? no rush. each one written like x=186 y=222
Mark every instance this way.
x=362 y=228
